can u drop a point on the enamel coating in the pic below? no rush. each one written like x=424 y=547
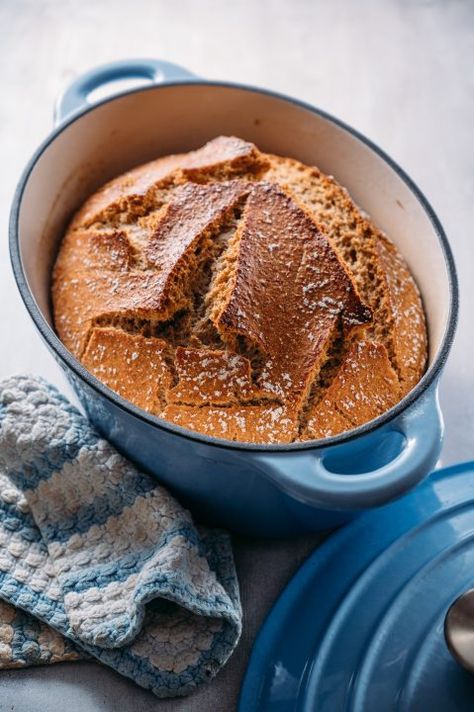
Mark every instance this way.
x=261 y=490
x=360 y=626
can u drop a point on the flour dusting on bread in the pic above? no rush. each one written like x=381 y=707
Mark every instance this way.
x=241 y=295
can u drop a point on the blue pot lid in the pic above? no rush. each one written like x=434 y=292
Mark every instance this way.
x=360 y=626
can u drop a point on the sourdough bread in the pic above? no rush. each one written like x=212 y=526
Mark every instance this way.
x=241 y=295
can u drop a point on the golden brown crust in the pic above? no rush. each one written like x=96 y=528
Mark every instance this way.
x=251 y=423
x=122 y=361
x=224 y=156
x=130 y=193
x=84 y=250
x=91 y=295
x=286 y=266
x=194 y=210
x=408 y=333
x=210 y=377
x=379 y=271
x=105 y=298
x=134 y=193
x=364 y=387
x=240 y=295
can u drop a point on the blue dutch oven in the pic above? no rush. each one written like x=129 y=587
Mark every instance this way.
x=268 y=490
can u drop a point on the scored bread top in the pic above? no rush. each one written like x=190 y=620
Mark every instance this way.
x=285 y=273
x=240 y=295
x=135 y=192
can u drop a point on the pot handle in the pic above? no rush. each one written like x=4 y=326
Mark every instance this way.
x=305 y=476
x=156 y=71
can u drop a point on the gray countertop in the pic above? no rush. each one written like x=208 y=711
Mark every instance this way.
x=400 y=71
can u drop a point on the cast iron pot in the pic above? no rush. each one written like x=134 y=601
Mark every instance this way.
x=269 y=490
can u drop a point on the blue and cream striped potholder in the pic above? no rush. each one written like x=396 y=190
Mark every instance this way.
x=97 y=560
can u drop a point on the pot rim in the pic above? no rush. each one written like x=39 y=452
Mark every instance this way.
x=54 y=343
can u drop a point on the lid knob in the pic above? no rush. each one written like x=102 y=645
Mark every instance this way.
x=459 y=629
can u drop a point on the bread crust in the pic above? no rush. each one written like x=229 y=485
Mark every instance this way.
x=241 y=295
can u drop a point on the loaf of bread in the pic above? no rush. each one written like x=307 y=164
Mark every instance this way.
x=241 y=295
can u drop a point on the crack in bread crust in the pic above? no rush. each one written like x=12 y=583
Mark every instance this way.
x=379 y=271
x=241 y=295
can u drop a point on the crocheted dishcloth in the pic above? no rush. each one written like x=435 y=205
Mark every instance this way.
x=97 y=559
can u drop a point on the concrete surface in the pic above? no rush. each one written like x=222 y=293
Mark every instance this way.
x=398 y=70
